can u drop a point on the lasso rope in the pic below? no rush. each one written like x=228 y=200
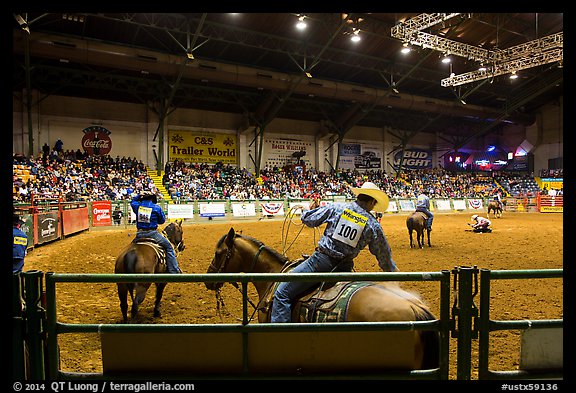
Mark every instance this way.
x=286 y=228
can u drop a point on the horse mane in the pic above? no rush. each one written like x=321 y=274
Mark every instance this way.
x=259 y=243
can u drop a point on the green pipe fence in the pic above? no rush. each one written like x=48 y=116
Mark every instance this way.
x=442 y=325
x=36 y=328
x=487 y=325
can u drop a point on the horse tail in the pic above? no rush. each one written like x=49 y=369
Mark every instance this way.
x=410 y=223
x=130 y=259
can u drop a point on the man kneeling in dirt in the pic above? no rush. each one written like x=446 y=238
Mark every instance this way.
x=481 y=224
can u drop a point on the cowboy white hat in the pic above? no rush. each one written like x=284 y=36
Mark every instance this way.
x=475 y=216
x=371 y=189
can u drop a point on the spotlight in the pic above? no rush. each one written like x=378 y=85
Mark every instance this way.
x=355 y=37
x=405 y=48
x=301 y=25
x=513 y=75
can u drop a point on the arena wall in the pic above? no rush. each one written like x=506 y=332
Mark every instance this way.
x=57 y=117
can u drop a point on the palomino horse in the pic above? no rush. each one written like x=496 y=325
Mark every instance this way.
x=145 y=256
x=417 y=222
x=494 y=206
x=367 y=302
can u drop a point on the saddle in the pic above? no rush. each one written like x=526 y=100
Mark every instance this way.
x=324 y=302
x=158 y=249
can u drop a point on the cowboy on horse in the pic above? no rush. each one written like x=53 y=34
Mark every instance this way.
x=497 y=197
x=148 y=216
x=350 y=228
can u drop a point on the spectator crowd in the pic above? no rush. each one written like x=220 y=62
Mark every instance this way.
x=76 y=177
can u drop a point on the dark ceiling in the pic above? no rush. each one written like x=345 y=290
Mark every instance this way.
x=255 y=64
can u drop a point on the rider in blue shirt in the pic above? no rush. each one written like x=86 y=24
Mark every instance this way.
x=148 y=216
x=20 y=242
x=349 y=228
x=423 y=205
x=498 y=198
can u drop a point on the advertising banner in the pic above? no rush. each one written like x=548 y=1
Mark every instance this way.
x=47 y=228
x=413 y=159
x=212 y=209
x=279 y=152
x=180 y=211
x=392 y=207
x=359 y=156
x=443 y=204
x=406 y=204
x=101 y=213
x=202 y=147
x=459 y=204
x=243 y=209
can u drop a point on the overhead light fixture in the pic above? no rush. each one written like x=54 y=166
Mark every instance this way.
x=405 y=48
x=301 y=25
x=23 y=24
x=309 y=75
x=513 y=75
x=446 y=59
x=190 y=55
x=355 y=35
x=482 y=68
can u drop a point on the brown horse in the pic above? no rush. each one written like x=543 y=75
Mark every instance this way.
x=495 y=207
x=145 y=256
x=417 y=222
x=369 y=302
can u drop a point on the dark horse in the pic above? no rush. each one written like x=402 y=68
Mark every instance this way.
x=417 y=222
x=494 y=206
x=145 y=256
x=372 y=302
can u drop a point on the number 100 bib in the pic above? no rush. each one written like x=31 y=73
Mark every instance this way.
x=349 y=228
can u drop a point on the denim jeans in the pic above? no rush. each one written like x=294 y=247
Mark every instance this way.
x=287 y=292
x=171 y=262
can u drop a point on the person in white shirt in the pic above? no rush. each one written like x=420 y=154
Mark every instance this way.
x=481 y=224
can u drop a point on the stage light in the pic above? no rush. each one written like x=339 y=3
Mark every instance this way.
x=301 y=25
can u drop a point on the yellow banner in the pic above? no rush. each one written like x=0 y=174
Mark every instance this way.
x=202 y=147
x=551 y=209
x=550 y=184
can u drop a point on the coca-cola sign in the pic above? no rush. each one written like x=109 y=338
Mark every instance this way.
x=96 y=140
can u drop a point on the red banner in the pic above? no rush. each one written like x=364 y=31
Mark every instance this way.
x=101 y=213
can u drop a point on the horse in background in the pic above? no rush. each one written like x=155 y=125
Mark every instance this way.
x=363 y=301
x=494 y=206
x=145 y=256
x=417 y=222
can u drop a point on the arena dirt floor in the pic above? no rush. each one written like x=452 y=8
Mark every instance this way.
x=519 y=241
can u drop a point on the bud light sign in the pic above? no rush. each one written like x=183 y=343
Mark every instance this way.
x=413 y=159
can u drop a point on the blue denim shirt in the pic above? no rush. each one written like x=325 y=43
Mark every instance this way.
x=423 y=202
x=148 y=214
x=349 y=229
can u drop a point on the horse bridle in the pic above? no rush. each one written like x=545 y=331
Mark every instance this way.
x=229 y=253
x=176 y=246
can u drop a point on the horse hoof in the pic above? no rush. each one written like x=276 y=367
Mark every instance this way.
x=157 y=314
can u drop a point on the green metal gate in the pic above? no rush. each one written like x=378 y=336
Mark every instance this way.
x=36 y=327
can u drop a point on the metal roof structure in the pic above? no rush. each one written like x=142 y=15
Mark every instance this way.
x=261 y=66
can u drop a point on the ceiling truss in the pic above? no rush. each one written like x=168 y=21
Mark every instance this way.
x=534 y=53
